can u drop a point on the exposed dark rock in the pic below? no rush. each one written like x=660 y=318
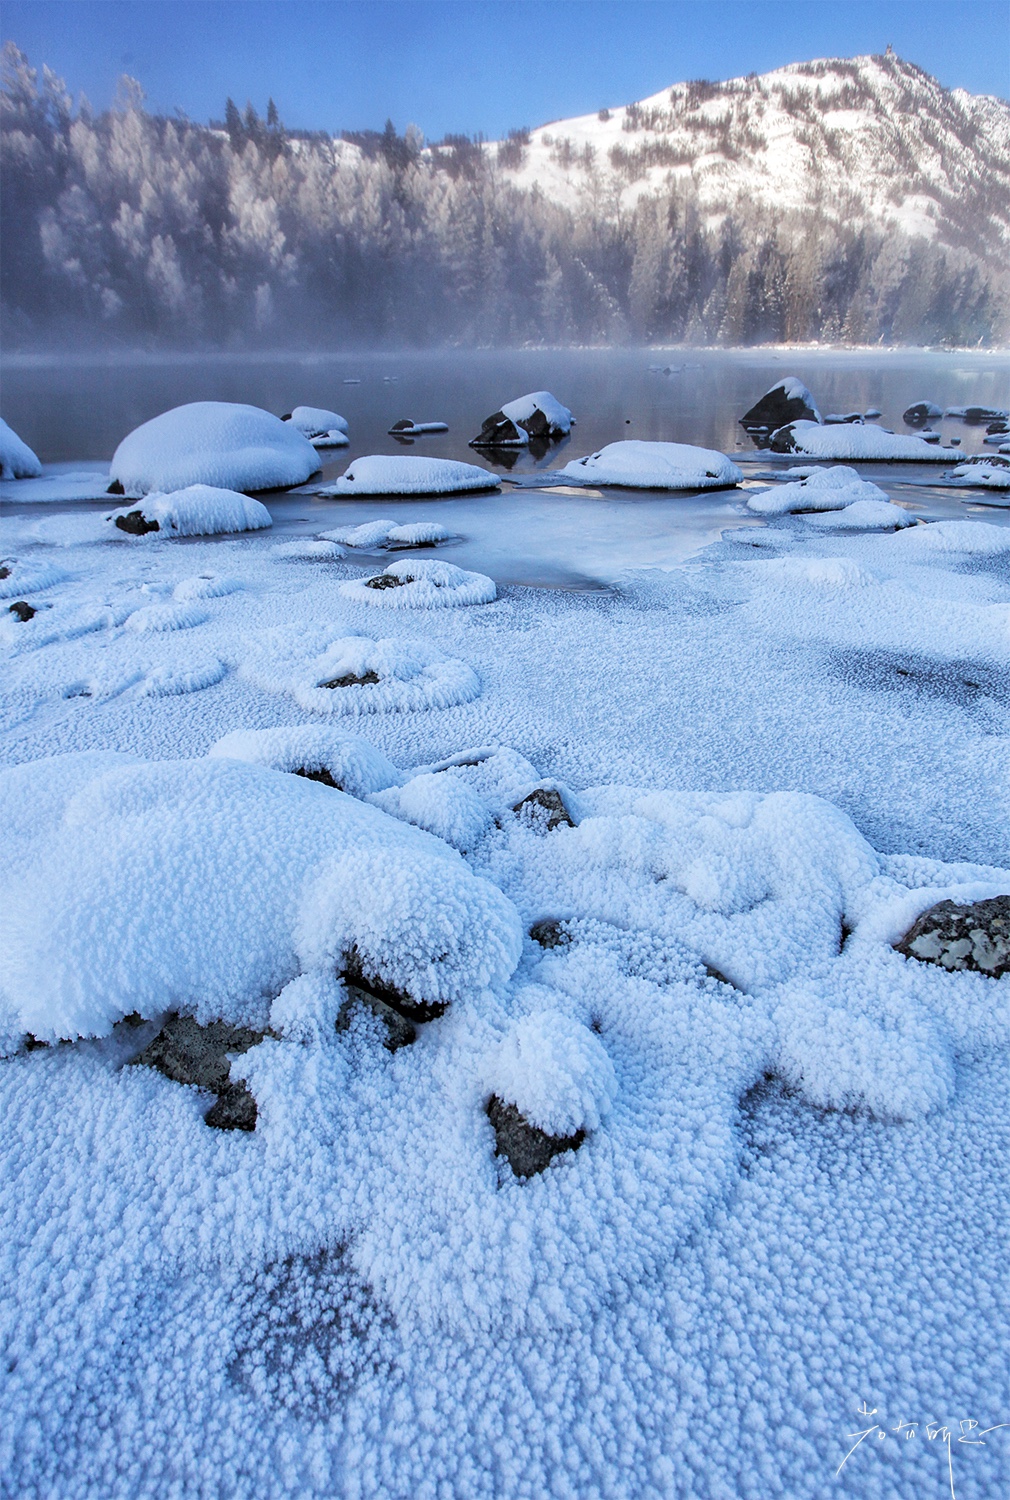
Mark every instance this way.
x=920 y=413
x=136 y=523
x=115 y=488
x=975 y=415
x=545 y=801
x=527 y=1149
x=187 y=1052
x=776 y=408
x=386 y=581
x=405 y=424
x=551 y=933
x=974 y=936
x=22 y=609
x=32 y=1043
x=349 y=679
x=357 y=974
x=498 y=430
x=5 y=571
x=321 y=774
x=995 y=429
x=399 y=1031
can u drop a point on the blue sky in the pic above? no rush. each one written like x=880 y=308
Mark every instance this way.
x=466 y=66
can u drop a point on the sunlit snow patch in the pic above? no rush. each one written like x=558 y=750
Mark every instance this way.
x=215 y=443
x=197 y=510
x=421 y=585
x=405 y=474
x=636 y=464
x=853 y=441
x=17 y=461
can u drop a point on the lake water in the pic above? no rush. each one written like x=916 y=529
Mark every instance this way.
x=77 y=409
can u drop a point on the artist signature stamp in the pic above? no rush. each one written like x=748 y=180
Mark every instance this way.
x=952 y=1438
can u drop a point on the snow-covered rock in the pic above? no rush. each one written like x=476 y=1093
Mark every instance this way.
x=213 y=443
x=407 y=428
x=324 y=429
x=444 y=805
x=421 y=585
x=863 y=515
x=380 y=474
x=197 y=510
x=418 y=534
x=538 y=415
x=309 y=549
x=556 y=1072
x=207 y=886
x=655 y=466
x=990 y=475
x=385 y=533
x=358 y=675
x=17 y=461
x=789 y=401
x=814 y=489
x=854 y=442
x=351 y=763
x=921 y=412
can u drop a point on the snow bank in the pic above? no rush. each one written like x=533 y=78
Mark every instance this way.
x=354 y=764
x=206 y=586
x=409 y=475
x=358 y=675
x=863 y=515
x=17 y=461
x=817 y=489
x=18 y=578
x=972 y=537
x=421 y=585
x=655 y=466
x=213 y=443
x=324 y=429
x=197 y=510
x=556 y=1072
x=418 y=534
x=208 y=885
x=988 y=476
x=855 y=442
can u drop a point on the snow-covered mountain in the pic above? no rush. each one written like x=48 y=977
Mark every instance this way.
x=866 y=138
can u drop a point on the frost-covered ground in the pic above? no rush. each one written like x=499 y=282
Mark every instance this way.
x=790 y=1205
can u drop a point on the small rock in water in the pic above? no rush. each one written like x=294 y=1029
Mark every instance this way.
x=23 y=610
x=975 y=936
x=789 y=401
x=187 y=1052
x=541 y=801
x=920 y=412
x=527 y=1149
x=349 y=679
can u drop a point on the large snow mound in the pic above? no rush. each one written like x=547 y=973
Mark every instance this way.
x=197 y=510
x=17 y=461
x=655 y=466
x=987 y=476
x=358 y=675
x=417 y=584
x=324 y=429
x=354 y=764
x=407 y=474
x=854 y=441
x=971 y=537
x=213 y=443
x=817 y=489
x=207 y=886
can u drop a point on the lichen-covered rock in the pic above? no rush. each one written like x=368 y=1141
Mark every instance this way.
x=974 y=936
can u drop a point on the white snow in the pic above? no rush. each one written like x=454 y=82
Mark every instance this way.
x=215 y=443
x=987 y=476
x=197 y=510
x=385 y=532
x=423 y=585
x=418 y=429
x=417 y=534
x=556 y=1072
x=17 y=461
x=863 y=515
x=815 y=489
x=309 y=549
x=441 y=804
x=853 y=441
x=523 y=407
x=324 y=429
x=406 y=474
x=655 y=466
x=355 y=765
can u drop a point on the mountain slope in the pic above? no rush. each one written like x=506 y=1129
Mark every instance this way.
x=867 y=139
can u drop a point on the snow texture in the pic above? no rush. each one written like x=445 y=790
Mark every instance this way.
x=852 y=441
x=406 y=474
x=814 y=489
x=385 y=532
x=310 y=549
x=863 y=515
x=324 y=429
x=446 y=807
x=423 y=585
x=197 y=510
x=17 y=461
x=214 y=443
x=655 y=466
x=556 y=1072
x=356 y=766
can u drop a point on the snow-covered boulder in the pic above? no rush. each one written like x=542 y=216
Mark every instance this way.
x=418 y=534
x=213 y=443
x=380 y=474
x=345 y=761
x=921 y=412
x=421 y=585
x=207 y=886
x=538 y=415
x=655 y=466
x=385 y=533
x=405 y=427
x=324 y=429
x=17 y=461
x=814 y=489
x=814 y=440
x=197 y=510
x=789 y=401
x=863 y=515
x=556 y=1072
x=992 y=474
